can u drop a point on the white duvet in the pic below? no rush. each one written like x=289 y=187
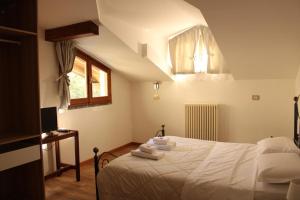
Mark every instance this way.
x=194 y=170
x=228 y=172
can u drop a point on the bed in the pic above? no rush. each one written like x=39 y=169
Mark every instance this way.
x=195 y=169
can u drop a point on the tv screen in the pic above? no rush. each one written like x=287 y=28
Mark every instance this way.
x=49 y=119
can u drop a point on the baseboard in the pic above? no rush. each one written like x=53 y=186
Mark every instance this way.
x=51 y=175
x=125 y=146
x=91 y=160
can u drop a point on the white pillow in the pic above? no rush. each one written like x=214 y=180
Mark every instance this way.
x=278 y=167
x=276 y=145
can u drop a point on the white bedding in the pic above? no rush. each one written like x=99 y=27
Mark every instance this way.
x=228 y=172
x=195 y=169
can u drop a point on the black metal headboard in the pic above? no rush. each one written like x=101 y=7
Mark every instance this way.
x=296 y=125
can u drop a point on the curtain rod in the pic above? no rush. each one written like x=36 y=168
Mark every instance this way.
x=10 y=41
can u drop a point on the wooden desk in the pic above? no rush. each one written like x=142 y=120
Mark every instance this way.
x=61 y=167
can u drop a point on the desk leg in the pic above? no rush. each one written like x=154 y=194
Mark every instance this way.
x=77 y=161
x=57 y=155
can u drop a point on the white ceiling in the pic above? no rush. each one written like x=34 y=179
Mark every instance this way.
x=55 y=13
x=160 y=17
x=259 y=39
x=149 y=22
x=114 y=53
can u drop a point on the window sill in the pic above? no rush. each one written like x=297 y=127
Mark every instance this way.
x=75 y=107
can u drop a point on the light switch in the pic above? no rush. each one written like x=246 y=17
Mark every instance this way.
x=255 y=97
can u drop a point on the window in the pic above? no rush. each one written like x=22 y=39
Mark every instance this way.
x=195 y=51
x=200 y=59
x=90 y=82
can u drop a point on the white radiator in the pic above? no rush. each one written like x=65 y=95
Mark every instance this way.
x=201 y=121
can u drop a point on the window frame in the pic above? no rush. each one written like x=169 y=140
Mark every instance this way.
x=90 y=100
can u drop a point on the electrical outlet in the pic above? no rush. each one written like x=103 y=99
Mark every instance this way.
x=255 y=97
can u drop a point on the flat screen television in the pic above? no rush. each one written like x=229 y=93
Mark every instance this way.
x=49 y=119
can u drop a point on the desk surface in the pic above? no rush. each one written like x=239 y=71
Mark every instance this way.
x=59 y=136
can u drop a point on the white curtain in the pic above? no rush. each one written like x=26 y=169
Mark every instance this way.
x=182 y=49
x=65 y=52
x=196 y=50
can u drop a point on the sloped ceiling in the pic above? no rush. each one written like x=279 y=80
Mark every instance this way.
x=149 y=22
x=55 y=13
x=260 y=39
x=114 y=53
x=106 y=47
x=159 y=17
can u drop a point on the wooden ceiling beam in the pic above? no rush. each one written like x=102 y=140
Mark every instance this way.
x=74 y=31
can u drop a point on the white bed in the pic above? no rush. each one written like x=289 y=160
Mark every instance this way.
x=195 y=169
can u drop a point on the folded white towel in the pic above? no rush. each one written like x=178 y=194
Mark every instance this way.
x=154 y=156
x=166 y=147
x=160 y=140
x=147 y=148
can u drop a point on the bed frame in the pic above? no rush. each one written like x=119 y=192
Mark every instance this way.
x=296 y=122
x=97 y=159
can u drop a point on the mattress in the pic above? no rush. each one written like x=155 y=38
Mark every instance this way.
x=195 y=168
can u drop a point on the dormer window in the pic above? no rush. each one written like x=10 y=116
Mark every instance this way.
x=195 y=51
x=200 y=59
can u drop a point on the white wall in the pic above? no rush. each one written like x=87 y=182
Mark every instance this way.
x=106 y=127
x=241 y=119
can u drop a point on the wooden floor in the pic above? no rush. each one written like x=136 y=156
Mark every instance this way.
x=66 y=188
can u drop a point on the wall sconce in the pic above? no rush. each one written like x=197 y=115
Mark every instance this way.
x=156 y=88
